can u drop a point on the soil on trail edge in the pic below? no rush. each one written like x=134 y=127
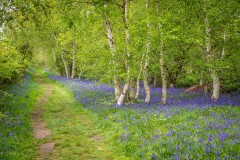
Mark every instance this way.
x=39 y=129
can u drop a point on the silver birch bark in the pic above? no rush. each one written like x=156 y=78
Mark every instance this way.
x=216 y=86
x=139 y=76
x=201 y=80
x=65 y=65
x=145 y=71
x=162 y=65
x=215 y=79
x=224 y=41
x=127 y=37
x=112 y=46
x=163 y=74
x=145 y=80
x=73 y=67
x=137 y=88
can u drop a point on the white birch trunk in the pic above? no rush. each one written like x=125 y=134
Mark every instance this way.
x=216 y=86
x=145 y=81
x=65 y=65
x=215 y=79
x=162 y=65
x=112 y=46
x=127 y=37
x=73 y=67
x=163 y=76
x=139 y=76
x=137 y=88
x=224 y=41
x=123 y=95
x=145 y=71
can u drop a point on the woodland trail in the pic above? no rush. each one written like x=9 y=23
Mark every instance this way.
x=39 y=126
x=64 y=129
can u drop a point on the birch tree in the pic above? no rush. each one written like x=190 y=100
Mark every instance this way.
x=112 y=46
x=125 y=8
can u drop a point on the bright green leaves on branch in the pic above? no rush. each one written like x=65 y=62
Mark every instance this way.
x=11 y=64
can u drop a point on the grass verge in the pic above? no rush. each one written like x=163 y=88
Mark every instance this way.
x=16 y=138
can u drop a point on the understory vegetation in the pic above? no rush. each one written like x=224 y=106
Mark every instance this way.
x=16 y=136
x=190 y=127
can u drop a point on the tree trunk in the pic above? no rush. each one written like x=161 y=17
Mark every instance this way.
x=65 y=65
x=172 y=85
x=132 y=92
x=155 y=82
x=216 y=86
x=145 y=71
x=224 y=41
x=123 y=94
x=162 y=64
x=112 y=46
x=201 y=80
x=127 y=53
x=215 y=79
x=73 y=67
x=138 y=88
x=164 y=77
x=139 y=76
x=145 y=80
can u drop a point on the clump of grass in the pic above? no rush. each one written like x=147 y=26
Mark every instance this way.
x=16 y=138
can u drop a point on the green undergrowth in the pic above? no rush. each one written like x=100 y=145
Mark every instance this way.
x=171 y=133
x=16 y=135
x=186 y=134
x=75 y=130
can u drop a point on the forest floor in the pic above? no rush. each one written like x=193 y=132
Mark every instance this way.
x=63 y=129
x=54 y=118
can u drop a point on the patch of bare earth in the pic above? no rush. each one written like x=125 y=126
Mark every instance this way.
x=39 y=129
x=97 y=138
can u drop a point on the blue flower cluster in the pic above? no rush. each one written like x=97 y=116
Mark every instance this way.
x=14 y=117
x=190 y=126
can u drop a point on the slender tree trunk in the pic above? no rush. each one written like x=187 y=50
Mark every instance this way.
x=139 y=76
x=73 y=67
x=145 y=71
x=172 y=85
x=224 y=41
x=65 y=65
x=112 y=46
x=123 y=94
x=162 y=64
x=201 y=80
x=215 y=79
x=216 y=86
x=137 y=88
x=145 y=80
x=155 y=82
x=132 y=87
x=206 y=88
x=127 y=53
x=163 y=76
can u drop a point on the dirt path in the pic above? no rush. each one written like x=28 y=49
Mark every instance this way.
x=64 y=130
x=39 y=129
